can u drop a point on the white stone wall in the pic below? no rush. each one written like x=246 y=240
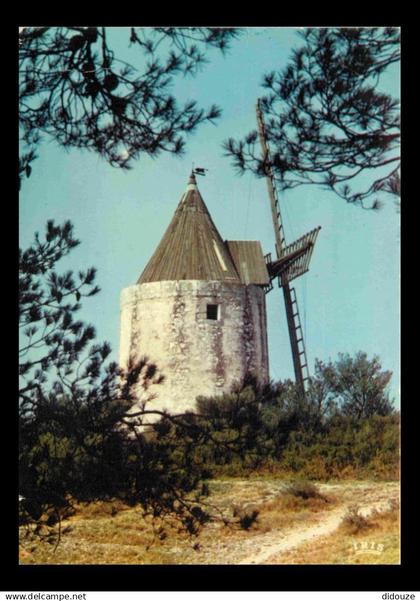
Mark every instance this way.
x=167 y=322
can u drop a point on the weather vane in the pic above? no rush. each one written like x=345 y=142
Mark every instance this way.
x=199 y=170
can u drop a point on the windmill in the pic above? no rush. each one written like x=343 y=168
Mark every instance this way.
x=291 y=262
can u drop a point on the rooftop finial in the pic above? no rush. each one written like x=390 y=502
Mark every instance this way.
x=192 y=183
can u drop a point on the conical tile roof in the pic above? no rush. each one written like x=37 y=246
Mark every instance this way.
x=191 y=248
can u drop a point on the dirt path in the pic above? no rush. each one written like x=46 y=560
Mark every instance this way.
x=271 y=545
x=261 y=548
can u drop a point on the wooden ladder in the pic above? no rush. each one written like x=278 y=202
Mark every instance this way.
x=303 y=361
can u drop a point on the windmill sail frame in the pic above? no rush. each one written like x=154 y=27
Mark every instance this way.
x=295 y=259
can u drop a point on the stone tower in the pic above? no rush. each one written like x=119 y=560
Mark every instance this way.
x=198 y=310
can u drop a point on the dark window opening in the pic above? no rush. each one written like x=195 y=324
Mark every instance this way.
x=212 y=312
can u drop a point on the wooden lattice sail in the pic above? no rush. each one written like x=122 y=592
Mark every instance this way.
x=294 y=260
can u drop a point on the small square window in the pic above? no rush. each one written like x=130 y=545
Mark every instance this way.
x=212 y=311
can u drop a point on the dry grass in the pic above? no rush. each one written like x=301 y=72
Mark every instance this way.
x=303 y=489
x=354 y=522
x=288 y=509
x=96 y=535
x=372 y=540
x=113 y=533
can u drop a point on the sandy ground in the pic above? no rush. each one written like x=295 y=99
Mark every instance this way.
x=121 y=539
x=263 y=548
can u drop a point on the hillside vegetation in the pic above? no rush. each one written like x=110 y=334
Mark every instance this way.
x=168 y=471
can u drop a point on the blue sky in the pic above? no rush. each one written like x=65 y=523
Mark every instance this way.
x=349 y=300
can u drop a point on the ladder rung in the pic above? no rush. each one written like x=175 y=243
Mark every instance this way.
x=299 y=339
